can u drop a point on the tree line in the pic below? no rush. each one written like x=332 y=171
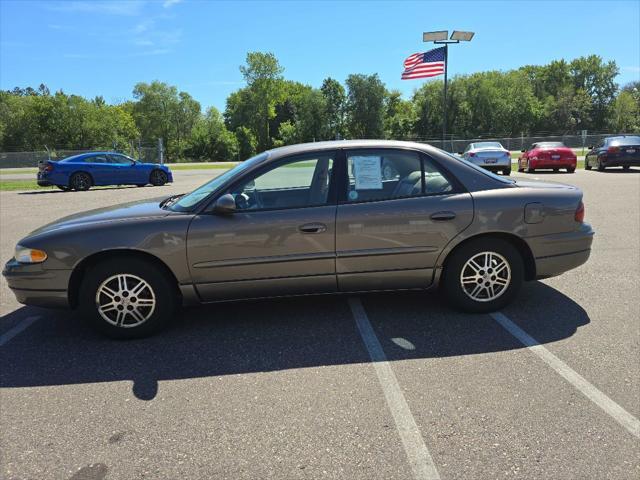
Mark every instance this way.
x=560 y=97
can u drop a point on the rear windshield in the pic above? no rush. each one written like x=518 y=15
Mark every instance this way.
x=548 y=145
x=621 y=141
x=479 y=169
x=488 y=145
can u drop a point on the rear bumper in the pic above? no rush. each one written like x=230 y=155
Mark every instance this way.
x=544 y=164
x=496 y=167
x=558 y=253
x=620 y=162
x=34 y=285
x=44 y=183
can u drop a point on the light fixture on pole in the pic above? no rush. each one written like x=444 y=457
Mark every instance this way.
x=440 y=37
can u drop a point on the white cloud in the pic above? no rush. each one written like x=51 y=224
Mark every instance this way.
x=170 y=3
x=635 y=69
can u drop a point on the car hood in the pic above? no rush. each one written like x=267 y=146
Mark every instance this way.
x=126 y=211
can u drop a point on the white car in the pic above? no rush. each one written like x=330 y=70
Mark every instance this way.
x=490 y=155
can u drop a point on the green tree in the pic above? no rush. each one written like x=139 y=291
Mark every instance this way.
x=247 y=143
x=365 y=106
x=335 y=100
x=263 y=75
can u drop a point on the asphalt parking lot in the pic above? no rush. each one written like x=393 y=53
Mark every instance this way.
x=384 y=386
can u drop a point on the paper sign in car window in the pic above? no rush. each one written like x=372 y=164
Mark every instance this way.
x=368 y=173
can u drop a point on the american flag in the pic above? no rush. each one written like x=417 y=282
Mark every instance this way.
x=423 y=65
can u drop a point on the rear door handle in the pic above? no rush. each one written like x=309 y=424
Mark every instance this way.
x=442 y=216
x=313 y=228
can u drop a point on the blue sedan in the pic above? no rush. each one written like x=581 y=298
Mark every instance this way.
x=81 y=172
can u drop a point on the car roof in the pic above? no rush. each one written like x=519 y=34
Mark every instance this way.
x=89 y=154
x=337 y=144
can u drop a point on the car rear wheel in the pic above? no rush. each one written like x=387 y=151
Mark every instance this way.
x=506 y=172
x=571 y=170
x=626 y=167
x=587 y=165
x=600 y=166
x=80 y=181
x=556 y=170
x=158 y=178
x=127 y=298
x=483 y=275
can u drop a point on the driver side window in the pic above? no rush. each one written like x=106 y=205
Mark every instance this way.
x=298 y=182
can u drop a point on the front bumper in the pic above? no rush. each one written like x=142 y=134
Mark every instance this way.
x=557 y=253
x=32 y=284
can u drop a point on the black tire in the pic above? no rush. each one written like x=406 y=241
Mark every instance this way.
x=599 y=165
x=506 y=172
x=80 y=181
x=626 y=167
x=520 y=169
x=587 y=166
x=556 y=170
x=163 y=290
x=157 y=178
x=571 y=170
x=452 y=283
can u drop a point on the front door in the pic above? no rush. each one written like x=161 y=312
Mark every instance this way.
x=279 y=241
x=390 y=231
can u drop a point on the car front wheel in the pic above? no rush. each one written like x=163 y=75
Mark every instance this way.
x=127 y=298
x=483 y=275
x=158 y=178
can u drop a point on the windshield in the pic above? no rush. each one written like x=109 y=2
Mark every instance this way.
x=621 y=141
x=190 y=200
x=488 y=145
x=479 y=169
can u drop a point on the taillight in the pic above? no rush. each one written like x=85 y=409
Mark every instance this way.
x=48 y=168
x=579 y=216
x=508 y=154
x=613 y=150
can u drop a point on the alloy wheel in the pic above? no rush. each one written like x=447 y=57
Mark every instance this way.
x=485 y=276
x=125 y=300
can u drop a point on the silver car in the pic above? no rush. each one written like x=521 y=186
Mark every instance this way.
x=490 y=155
x=317 y=218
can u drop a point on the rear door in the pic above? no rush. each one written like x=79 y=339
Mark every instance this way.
x=101 y=169
x=279 y=241
x=389 y=234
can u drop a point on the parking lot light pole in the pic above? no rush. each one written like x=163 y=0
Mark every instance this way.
x=442 y=37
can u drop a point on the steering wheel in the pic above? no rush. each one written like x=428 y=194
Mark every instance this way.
x=248 y=200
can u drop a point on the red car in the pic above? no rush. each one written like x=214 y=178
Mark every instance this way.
x=547 y=155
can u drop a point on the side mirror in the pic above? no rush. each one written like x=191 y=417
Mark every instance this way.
x=225 y=205
x=460 y=153
x=590 y=147
x=523 y=150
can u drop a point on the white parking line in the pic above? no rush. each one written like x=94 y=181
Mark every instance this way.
x=17 y=329
x=619 y=414
x=417 y=453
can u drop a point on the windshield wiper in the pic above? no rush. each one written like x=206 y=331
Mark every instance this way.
x=170 y=200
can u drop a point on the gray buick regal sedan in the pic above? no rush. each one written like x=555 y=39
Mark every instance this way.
x=307 y=219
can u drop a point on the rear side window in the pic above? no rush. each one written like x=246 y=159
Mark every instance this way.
x=615 y=142
x=96 y=159
x=383 y=174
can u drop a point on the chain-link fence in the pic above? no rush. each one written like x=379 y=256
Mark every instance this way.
x=520 y=143
x=152 y=153
x=149 y=154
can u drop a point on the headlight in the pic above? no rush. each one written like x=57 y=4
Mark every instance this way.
x=29 y=255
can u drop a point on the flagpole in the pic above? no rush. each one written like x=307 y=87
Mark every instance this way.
x=441 y=37
x=444 y=104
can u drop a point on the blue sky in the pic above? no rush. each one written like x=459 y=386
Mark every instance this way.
x=105 y=47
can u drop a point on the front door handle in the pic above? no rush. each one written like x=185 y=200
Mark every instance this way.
x=313 y=228
x=442 y=216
